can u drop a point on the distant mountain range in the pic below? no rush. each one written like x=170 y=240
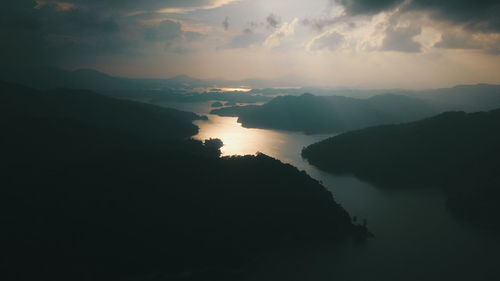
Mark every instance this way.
x=469 y=98
x=462 y=97
x=51 y=77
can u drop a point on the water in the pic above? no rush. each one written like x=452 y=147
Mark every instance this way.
x=416 y=238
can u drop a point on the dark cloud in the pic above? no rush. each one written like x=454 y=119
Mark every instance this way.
x=368 y=6
x=225 y=24
x=401 y=39
x=476 y=15
x=75 y=21
x=166 y=31
x=170 y=34
x=479 y=15
x=273 y=21
x=128 y=6
x=55 y=32
x=47 y=35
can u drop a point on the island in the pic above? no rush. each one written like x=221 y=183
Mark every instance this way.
x=217 y=104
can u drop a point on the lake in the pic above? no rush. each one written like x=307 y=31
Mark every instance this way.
x=416 y=238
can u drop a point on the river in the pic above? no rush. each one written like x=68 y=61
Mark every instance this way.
x=416 y=238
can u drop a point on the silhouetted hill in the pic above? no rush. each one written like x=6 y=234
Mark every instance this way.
x=313 y=114
x=100 y=189
x=455 y=92
x=456 y=151
x=216 y=104
x=186 y=82
x=45 y=78
x=96 y=110
x=469 y=98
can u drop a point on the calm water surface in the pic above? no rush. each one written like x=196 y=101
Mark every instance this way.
x=416 y=237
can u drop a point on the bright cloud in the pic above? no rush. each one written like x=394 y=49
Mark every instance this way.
x=282 y=33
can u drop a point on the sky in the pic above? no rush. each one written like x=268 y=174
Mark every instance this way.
x=411 y=44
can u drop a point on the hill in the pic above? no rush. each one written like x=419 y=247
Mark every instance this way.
x=96 y=110
x=321 y=114
x=46 y=77
x=456 y=151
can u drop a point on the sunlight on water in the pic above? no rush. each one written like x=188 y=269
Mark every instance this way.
x=238 y=140
x=235 y=89
x=221 y=90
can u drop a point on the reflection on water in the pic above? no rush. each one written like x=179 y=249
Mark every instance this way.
x=416 y=237
x=221 y=90
x=241 y=141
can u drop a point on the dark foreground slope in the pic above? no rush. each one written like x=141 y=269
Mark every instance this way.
x=456 y=151
x=83 y=199
x=96 y=110
x=319 y=114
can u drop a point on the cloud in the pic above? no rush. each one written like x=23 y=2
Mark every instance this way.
x=355 y=7
x=60 y=6
x=56 y=32
x=401 y=39
x=286 y=30
x=479 y=16
x=166 y=31
x=330 y=41
x=457 y=40
x=186 y=6
x=245 y=40
x=473 y=15
x=225 y=24
x=193 y=36
x=134 y=6
x=40 y=34
x=319 y=24
x=273 y=21
x=460 y=39
x=171 y=35
x=464 y=24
